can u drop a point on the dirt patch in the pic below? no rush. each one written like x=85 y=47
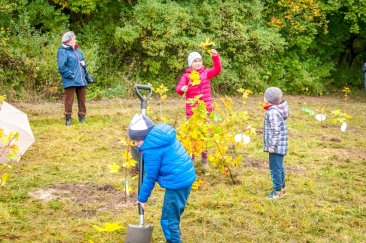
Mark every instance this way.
x=263 y=165
x=257 y=164
x=100 y=197
x=345 y=154
x=324 y=138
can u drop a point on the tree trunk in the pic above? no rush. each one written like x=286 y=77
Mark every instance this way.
x=352 y=51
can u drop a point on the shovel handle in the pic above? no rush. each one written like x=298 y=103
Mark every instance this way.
x=143 y=99
x=141 y=162
x=141 y=177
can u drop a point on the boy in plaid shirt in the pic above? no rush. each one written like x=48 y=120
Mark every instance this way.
x=275 y=138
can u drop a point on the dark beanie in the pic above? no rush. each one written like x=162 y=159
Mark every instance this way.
x=273 y=95
x=139 y=127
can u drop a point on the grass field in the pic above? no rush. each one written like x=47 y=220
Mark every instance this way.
x=62 y=185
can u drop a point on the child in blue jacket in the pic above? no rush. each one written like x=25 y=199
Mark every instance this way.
x=275 y=138
x=167 y=162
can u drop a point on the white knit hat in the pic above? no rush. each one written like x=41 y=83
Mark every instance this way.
x=192 y=56
x=139 y=127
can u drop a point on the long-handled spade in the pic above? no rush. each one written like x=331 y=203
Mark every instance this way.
x=140 y=233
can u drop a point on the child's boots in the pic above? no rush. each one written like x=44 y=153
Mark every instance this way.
x=205 y=164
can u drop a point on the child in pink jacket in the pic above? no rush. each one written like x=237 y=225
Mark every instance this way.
x=204 y=88
x=185 y=85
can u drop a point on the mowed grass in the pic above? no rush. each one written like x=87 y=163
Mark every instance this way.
x=326 y=179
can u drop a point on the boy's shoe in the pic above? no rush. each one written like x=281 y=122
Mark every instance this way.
x=275 y=195
x=283 y=192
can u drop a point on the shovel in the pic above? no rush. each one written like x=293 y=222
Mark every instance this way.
x=143 y=100
x=140 y=233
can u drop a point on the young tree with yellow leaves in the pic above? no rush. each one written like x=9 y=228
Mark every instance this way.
x=216 y=132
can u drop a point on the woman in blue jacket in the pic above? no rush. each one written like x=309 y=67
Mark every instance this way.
x=167 y=162
x=71 y=65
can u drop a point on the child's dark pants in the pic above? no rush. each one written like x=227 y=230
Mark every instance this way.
x=174 y=203
x=277 y=171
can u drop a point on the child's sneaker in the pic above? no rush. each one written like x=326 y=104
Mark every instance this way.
x=275 y=195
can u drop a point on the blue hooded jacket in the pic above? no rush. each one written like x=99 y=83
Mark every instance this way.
x=68 y=61
x=166 y=161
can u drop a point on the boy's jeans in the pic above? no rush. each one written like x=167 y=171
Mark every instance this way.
x=277 y=171
x=174 y=203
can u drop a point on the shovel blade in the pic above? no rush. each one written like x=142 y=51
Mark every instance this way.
x=139 y=234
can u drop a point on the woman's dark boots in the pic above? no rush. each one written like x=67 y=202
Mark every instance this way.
x=81 y=118
x=68 y=120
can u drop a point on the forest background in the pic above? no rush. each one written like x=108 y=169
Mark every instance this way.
x=302 y=46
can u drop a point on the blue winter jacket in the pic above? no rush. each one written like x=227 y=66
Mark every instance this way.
x=166 y=161
x=68 y=61
x=275 y=132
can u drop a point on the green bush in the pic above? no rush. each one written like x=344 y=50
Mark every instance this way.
x=28 y=64
x=351 y=77
x=162 y=48
x=148 y=41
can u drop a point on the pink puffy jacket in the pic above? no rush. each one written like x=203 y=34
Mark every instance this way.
x=204 y=88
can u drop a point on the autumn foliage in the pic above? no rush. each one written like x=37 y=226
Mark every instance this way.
x=215 y=132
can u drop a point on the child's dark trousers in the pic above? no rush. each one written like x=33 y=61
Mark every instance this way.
x=174 y=204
